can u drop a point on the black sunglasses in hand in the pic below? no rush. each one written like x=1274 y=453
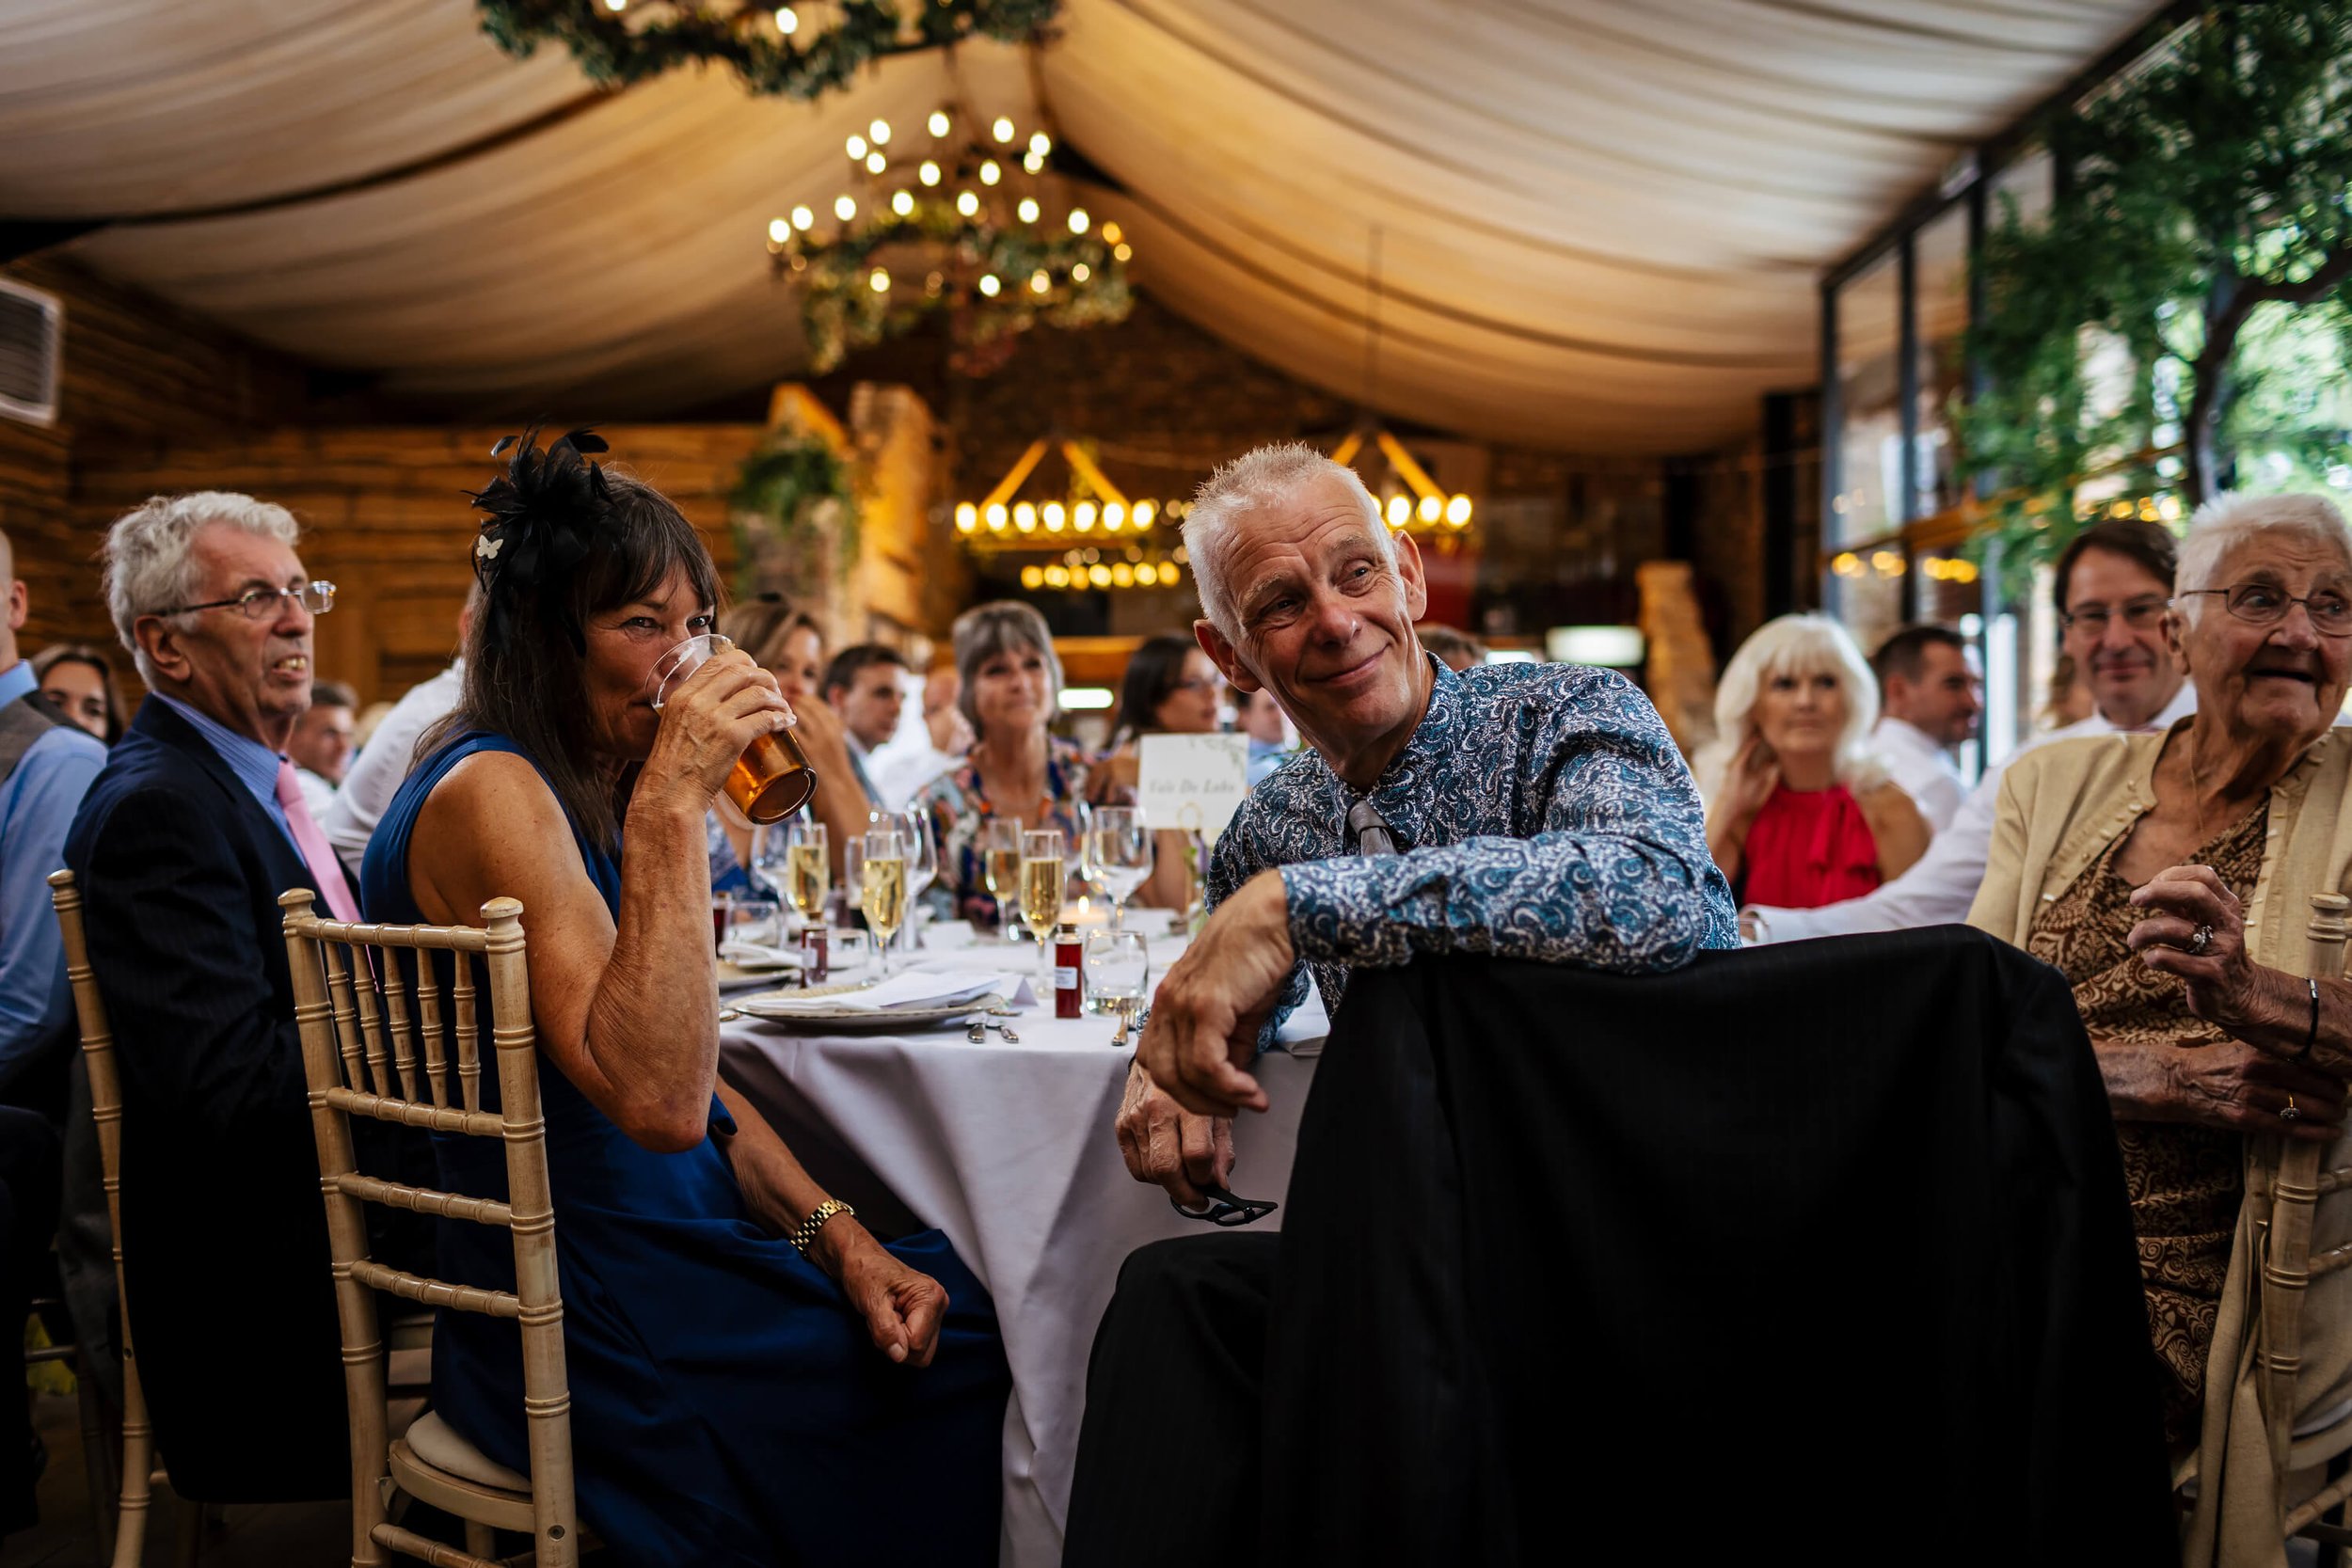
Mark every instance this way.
x=1224 y=1209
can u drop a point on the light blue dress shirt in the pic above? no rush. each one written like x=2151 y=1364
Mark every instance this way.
x=37 y=805
x=254 y=764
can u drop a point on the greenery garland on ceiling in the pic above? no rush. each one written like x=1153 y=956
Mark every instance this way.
x=640 y=40
x=793 y=489
x=2179 y=320
x=1056 y=279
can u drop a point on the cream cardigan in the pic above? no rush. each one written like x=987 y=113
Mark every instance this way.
x=2060 y=806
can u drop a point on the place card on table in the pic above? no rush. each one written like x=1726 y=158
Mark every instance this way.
x=1195 y=782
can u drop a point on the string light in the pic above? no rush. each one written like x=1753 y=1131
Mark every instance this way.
x=991 y=173
x=1457 y=511
x=803 y=219
x=1432 y=508
x=902 y=203
x=1098 y=574
x=778 y=231
x=1028 y=208
x=1055 y=516
x=1400 y=511
x=1080 y=272
x=1114 y=516
x=1033 y=163
x=1002 y=129
x=1142 y=515
x=879 y=132
x=1057 y=576
x=857 y=147
x=1082 y=517
x=876 y=163
x=967 y=518
x=996 y=517
x=787 y=21
x=845 y=207
x=1112 y=234
x=1032 y=577
x=1122 y=252
x=989 y=284
x=1025 y=518
x=938 y=122
x=879 y=281
x=928 y=174
x=1078 y=220
x=1041 y=144
x=1039 y=282
x=967 y=203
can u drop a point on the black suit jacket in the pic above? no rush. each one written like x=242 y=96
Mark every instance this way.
x=225 y=1254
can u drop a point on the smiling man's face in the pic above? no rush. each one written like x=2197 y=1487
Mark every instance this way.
x=1325 y=620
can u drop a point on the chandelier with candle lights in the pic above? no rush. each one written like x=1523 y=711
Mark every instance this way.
x=956 y=218
x=799 y=51
x=1092 y=534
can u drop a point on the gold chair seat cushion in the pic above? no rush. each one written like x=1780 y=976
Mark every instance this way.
x=438 y=1443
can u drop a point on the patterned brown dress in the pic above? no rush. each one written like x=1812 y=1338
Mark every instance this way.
x=2186 y=1182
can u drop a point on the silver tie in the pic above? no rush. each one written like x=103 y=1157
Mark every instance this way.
x=1372 y=834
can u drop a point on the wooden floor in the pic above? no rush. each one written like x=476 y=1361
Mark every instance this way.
x=292 y=1535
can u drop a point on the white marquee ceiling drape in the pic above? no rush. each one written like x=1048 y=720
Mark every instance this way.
x=1598 y=224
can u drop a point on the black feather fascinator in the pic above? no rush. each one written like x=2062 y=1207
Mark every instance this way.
x=546 y=515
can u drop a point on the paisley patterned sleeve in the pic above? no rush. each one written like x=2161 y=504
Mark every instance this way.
x=1614 y=874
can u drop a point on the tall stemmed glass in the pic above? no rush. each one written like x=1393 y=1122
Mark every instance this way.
x=883 y=892
x=1000 y=868
x=922 y=863
x=807 y=868
x=1043 y=882
x=1119 y=855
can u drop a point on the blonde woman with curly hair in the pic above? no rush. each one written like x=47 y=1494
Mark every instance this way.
x=1800 y=811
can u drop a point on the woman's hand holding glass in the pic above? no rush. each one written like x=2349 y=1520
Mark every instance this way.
x=716 y=705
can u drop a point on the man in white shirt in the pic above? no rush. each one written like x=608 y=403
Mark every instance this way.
x=1930 y=697
x=2112 y=586
x=923 y=750
x=321 y=743
x=377 y=772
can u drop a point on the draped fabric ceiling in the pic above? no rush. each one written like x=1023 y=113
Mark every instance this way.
x=1596 y=225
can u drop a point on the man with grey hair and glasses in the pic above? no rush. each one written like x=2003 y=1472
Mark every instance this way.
x=181 y=848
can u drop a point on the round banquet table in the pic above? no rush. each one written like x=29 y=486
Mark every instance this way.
x=1008 y=1149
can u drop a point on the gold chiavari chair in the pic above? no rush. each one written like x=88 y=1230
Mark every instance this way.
x=106 y=1094
x=373 y=1046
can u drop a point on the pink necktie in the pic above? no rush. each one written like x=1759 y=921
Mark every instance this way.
x=325 y=869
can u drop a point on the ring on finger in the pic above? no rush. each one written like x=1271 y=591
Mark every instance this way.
x=2288 y=1110
x=2201 y=941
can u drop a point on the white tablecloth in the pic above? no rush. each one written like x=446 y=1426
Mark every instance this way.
x=1008 y=1149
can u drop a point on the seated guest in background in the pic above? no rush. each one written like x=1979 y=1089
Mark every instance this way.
x=80 y=680
x=46 y=765
x=730 y=1331
x=2111 y=586
x=1538 y=810
x=1456 y=649
x=1011 y=687
x=1800 y=811
x=2169 y=875
x=1170 y=687
x=182 y=848
x=321 y=744
x=1272 y=743
x=862 y=686
x=367 y=788
x=1930 y=697
x=785 y=643
x=902 y=766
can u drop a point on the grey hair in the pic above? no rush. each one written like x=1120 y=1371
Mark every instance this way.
x=1001 y=625
x=148 y=564
x=1256 y=478
x=2226 y=522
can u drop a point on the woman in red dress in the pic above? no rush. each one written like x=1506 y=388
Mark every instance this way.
x=1800 y=811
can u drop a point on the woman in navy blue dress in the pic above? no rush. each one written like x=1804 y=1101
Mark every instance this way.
x=735 y=1401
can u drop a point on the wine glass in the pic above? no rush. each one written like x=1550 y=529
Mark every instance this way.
x=1000 y=865
x=1118 y=970
x=882 y=889
x=1119 y=855
x=922 y=859
x=807 y=869
x=1042 y=882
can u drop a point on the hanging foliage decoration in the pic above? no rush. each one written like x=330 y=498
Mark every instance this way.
x=1083 y=283
x=2179 y=319
x=616 y=48
x=793 y=489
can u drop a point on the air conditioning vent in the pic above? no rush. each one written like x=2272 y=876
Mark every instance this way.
x=32 y=328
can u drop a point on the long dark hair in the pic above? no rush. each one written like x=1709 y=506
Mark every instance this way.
x=82 y=653
x=565 y=540
x=1153 y=672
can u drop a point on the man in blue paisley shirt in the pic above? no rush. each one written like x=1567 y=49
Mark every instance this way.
x=1533 y=811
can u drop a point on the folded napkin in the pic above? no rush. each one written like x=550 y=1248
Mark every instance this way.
x=909 y=991
x=754 y=955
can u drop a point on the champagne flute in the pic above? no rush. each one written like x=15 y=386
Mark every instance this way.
x=807 y=868
x=921 y=858
x=1042 y=882
x=1000 y=864
x=1119 y=855
x=884 y=888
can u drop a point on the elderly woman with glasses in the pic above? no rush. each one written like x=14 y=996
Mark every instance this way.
x=2169 y=877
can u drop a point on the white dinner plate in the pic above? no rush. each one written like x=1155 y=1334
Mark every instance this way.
x=838 y=1020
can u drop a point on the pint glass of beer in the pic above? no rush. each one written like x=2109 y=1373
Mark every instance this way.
x=772 y=779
